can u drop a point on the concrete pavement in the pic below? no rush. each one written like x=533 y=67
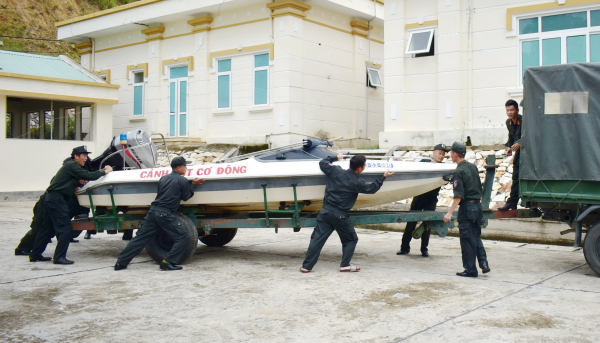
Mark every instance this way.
x=251 y=290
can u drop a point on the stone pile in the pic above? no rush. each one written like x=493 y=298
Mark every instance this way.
x=197 y=156
x=502 y=178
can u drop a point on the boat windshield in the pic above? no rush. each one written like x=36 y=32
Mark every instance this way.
x=314 y=153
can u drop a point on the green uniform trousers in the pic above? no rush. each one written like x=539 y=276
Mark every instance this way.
x=470 y=217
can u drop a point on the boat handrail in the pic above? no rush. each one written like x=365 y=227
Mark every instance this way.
x=393 y=158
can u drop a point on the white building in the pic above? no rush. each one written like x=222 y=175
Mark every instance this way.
x=51 y=105
x=476 y=51
x=239 y=71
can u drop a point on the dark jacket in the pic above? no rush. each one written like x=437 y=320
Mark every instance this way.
x=466 y=181
x=343 y=186
x=514 y=131
x=67 y=178
x=172 y=189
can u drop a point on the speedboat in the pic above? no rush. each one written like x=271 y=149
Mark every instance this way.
x=273 y=178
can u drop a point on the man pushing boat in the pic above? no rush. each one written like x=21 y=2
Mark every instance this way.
x=341 y=191
x=172 y=189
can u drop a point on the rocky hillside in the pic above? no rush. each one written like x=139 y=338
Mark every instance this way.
x=35 y=19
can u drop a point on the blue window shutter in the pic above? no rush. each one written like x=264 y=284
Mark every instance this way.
x=178 y=72
x=182 y=125
x=224 y=65
x=551 y=51
x=528 y=26
x=530 y=54
x=261 y=60
x=564 y=21
x=595 y=47
x=576 y=49
x=138 y=100
x=172 y=125
x=223 y=91
x=260 y=87
x=172 y=97
x=182 y=96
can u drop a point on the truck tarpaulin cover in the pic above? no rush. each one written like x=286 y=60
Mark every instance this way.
x=561 y=123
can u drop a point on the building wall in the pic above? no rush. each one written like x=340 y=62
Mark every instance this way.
x=30 y=164
x=317 y=77
x=475 y=70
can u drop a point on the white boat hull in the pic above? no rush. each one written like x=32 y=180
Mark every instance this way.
x=241 y=189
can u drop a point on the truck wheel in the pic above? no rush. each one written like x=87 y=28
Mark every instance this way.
x=219 y=238
x=591 y=247
x=158 y=248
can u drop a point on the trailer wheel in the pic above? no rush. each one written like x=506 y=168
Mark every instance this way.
x=591 y=247
x=158 y=248
x=219 y=238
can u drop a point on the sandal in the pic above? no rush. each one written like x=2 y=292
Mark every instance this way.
x=353 y=269
x=304 y=271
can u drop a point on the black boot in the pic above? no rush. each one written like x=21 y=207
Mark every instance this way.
x=119 y=266
x=465 y=273
x=39 y=258
x=485 y=268
x=169 y=266
x=19 y=252
x=63 y=260
x=88 y=235
x=508 y=206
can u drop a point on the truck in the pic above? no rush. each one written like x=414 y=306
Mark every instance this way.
x=560 y=153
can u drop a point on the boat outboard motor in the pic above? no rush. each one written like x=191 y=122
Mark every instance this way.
x=131 y=150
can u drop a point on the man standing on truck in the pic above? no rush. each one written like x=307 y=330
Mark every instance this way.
x=467 y=193
x=57 y=220
x=341 y=191
x=513 y=124
x=172 y=189
x=423 y=202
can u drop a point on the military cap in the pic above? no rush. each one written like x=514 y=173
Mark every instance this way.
x=441 y=147
x=179 y=161
x=459 y=148
x=80 y=150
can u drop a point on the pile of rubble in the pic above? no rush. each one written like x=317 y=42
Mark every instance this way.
x=197 y=156
x=502 y=178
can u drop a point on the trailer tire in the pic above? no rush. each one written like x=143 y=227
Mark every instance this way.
x=158 y=248
x=591 y=247
x=219 y=238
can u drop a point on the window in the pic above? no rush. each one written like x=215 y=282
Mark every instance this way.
x=224 y=83
x=8 y=125
x=419 y=42
x=178 y=97
x=28 y=118
x=374 y=80
x=559 y=38
x=138 y=93
x=261 y=79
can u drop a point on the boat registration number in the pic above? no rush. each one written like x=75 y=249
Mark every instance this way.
x=380 y=165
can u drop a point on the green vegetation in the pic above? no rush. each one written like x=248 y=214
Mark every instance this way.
x=106 y=4
x=36 y=19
